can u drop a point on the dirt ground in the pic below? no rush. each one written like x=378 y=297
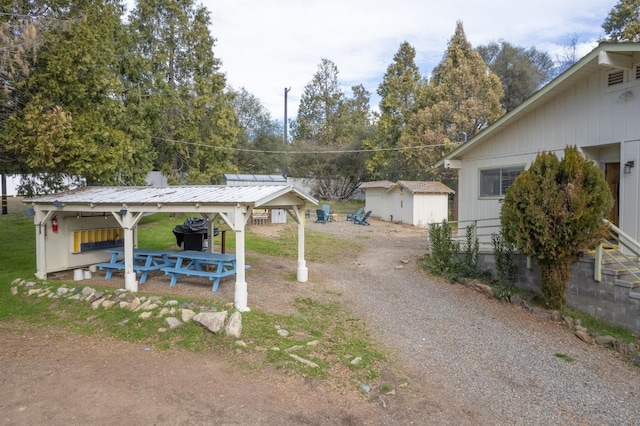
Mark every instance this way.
x=49 y=375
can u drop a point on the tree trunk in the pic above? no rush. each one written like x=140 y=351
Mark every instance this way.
x=555 y=280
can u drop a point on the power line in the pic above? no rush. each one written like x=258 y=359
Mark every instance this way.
x=342 y=151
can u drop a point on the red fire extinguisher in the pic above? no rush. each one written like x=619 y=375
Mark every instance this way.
x=54 y=224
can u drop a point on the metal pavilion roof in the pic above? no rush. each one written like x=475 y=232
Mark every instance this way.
x=187 y=194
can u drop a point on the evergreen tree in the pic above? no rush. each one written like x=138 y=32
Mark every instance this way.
x=399 y=92
x=462 y=99
x=328 y=134
x=623 y=22
x=71 y=119
x=192 y=122
x=553 y=211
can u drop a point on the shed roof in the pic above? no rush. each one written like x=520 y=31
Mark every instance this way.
x=377 y=184
x=415 y=187
x=425 y=187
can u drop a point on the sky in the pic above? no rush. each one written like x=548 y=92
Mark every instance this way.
x=268 y=45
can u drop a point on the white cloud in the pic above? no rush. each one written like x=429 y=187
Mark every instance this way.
x=267 y=45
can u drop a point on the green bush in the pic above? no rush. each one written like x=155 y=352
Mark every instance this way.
x=504 y=252
x=443 y=250
x=553 y=211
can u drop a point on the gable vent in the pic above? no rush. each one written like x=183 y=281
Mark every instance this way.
x=615 y=78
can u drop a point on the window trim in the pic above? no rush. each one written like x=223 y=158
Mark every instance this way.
x=521 y=166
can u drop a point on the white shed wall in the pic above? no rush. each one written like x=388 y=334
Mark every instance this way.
x=406 y=207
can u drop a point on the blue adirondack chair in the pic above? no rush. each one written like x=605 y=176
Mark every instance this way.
x=358 y=213
x=321 y=216
x=327 y=211
x=362 y=220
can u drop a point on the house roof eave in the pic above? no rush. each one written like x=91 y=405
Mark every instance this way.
x=589 y=61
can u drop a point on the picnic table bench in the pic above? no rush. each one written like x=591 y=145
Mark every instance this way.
x=202 y=264
x=144 y=261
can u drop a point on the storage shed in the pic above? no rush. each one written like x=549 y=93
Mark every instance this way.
x=418 y=203
x=74 y=228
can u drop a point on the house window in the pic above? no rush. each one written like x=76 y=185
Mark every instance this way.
x=494 y=182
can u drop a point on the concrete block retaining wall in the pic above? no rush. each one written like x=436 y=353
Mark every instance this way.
x=611 y=300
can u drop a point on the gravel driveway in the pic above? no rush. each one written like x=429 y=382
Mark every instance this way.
x=474 y=360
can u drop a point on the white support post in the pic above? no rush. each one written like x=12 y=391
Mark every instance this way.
x=40 y=219
x=128 y=222
x=130 y=282
x=302 y=272
x=241 y=294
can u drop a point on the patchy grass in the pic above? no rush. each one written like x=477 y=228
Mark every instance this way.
x=564 y=357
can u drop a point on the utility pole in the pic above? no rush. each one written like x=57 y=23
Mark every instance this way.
x=286 y=136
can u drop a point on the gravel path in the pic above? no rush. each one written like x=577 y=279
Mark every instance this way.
x=475 y=360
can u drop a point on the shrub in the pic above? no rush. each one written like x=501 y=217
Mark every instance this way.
x=553 y=211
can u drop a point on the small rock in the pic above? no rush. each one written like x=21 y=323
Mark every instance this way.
x=234 y=326
x=96 y=303
x=569 y=322
x=241 y=343
x=605 y=340
x=357 y=360
x=555 y=316
x=313 y=343
x=86 y=291
x=584 y=336
x=484 y=289
x=133 y=304
x=304 y=361
x=212 y=321
x=14 y=290
x=187 y=315
x=108 y=303
x=171 y=303
x=172 y=322
x=145 y=315
x=282 y=332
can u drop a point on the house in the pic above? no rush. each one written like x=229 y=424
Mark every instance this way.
x=595 y=106
x=412 y=202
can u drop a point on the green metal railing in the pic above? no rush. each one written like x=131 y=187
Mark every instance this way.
x=483 y=230
x=619 y=247
x=622 y=249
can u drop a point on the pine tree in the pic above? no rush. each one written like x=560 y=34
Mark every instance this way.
x=399 y=92
x=192 y=122
x=462 y=99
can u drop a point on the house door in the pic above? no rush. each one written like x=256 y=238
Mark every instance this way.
x=612 y=175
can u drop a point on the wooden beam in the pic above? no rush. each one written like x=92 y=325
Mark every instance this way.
x=615 y=60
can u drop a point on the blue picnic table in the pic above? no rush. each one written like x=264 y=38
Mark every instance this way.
x=202 y=264
x=144 y=261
